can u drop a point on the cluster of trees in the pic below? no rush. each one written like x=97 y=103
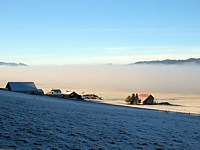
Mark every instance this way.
x=133 y=100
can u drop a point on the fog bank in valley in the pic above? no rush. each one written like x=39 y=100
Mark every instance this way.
x=139 y=78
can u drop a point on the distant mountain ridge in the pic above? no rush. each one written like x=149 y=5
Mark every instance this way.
x=171 y=62
x=12 y=64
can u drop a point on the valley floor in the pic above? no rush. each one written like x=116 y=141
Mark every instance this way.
x=184 y=103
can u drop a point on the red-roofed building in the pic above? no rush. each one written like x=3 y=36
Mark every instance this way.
x=146 y=99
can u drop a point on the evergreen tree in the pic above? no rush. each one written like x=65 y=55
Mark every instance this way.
x=134 y=99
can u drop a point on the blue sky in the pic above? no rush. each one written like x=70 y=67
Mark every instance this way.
x=59 y=32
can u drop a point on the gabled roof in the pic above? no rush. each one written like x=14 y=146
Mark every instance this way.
x=72 y=93
x=56 y=90
x=21 y=86
x=69 y=92
x=143 y=96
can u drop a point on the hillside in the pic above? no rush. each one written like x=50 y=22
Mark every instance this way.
x=39 y=122
x=12 y=64
x=171 y=62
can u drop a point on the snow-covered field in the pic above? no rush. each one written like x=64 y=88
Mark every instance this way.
x=185 y=103
x=35 y=122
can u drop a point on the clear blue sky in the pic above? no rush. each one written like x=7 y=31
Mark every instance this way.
x=40 y=32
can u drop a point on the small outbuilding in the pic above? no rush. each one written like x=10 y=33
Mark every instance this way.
x=22 y=87
x=146 y=99
x=91 y=97
x=56 y=92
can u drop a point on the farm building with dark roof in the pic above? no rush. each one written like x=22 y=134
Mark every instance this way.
x=146 y=99
x=23 y=87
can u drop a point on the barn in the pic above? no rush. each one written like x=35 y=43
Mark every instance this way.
x=146 y=99
x=73 y=95
x=22 y=87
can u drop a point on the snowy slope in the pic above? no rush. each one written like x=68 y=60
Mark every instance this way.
x=31 y=122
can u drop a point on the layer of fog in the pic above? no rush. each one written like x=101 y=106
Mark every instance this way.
x=138 y=78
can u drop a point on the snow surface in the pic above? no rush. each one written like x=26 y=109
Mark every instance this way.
x=39 y=122
x=181 y=102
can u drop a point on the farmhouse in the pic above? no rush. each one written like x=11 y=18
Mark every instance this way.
x=56 y=92
x=73 y=95
x=146 y=99
x=22 y=87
